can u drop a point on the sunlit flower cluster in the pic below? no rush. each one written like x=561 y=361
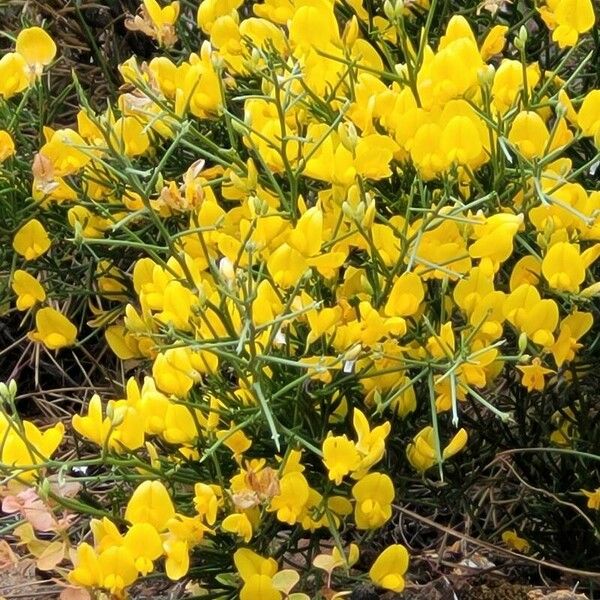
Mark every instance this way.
x=318 y=252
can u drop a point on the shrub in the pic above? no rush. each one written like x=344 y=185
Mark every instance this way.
x=346 y=256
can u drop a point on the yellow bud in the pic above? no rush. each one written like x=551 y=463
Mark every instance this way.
x=522 y=342
x=485 y=75
x=226 y=269
x=350 y=34
x=348 y=135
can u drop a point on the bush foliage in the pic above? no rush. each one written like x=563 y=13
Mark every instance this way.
x=308 y=264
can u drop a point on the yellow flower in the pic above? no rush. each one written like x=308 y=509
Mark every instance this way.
x=588 y=117
x=156 y=22
x=150 y=503
x=565 y=421
x=257 y=574
x=527 y=270
x=144 y=545
x=206 y=501
x=568 y=19
x=593 y=501
x=28 y=289
x=389 y=568
x=529 y=134
x=494 y=240
x=533 y=375
x=509 y=81
x=292 y=497
x=335 y=163
x=36 y=47
x=122 y=430
x=237 y=441
x=65 y=151
x=405 y=296
x=27 y=446
x=178 y=304
x=329 y=562
x=370 y=444
x=421 y=451
x=117 y=568
x=564 y=265
x=572 y=328
x=278 y=11
x=86 y=222
x=238 y=523
x=93 y=426
x=130 y=136
x=53 y=329
x=531 y=315
x=210 y=11
x=374 y=495
x=162 y=17
x=511 y=539
x=494 y=42
x=198 y=90
x=177 y=563
x=86 y=571
x=7 y=145
x=286 y=265
x=174 y=373
x=340 y=456
x=13 y=75
x=31 y=241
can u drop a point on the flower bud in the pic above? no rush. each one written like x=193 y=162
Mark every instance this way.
x=118 y=418
x=522 y=343
x=258 y=206
x=486 y=75
x=348 y=135
x=353 y=352
x=393 y=9
x=521 y=39
x=369 y=218
x=348 y=210
x=350 y=34
x=226 y=269
x=560 y=110
x=388 y=9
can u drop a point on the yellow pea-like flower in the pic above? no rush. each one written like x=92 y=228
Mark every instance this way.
x=421 y=451
x=374 y=495
x=28 y=289
x=240 y=524
x=144 y=545
x=340 y=457
x=257 y=574
x=13 y=75
x=588 y=117
x=529 y=134
x=150 y=503
x=568 y=19
x=31 y=241
x=494 y=42
x=53 y=329
x=389 y=568
x=36 y=47
x=7 y=146
x=593 y=498
x=161 y=17
x=292 y=498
